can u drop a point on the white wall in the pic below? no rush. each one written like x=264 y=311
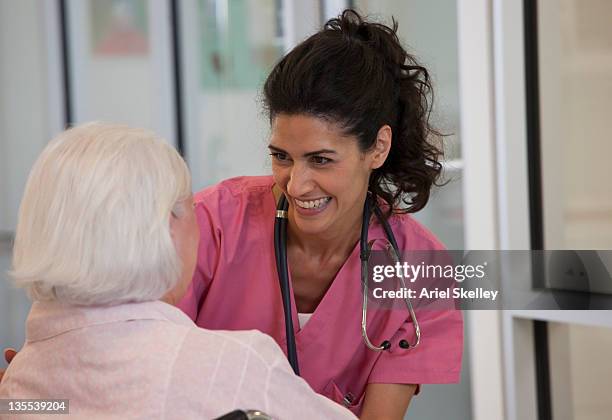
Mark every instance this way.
x=26 y=124
x=23 y=100
x=131 y=88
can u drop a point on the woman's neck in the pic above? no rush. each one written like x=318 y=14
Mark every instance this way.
x=340 y=240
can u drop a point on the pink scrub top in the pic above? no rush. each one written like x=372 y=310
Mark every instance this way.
x=236 y=287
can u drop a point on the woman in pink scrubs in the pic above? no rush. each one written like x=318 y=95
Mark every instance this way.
x=349 y=112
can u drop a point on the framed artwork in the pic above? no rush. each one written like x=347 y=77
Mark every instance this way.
x=119 y=28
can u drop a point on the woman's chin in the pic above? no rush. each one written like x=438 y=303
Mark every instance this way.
x=311 y=224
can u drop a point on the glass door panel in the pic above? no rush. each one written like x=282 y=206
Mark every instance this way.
x=429 y=31
x=575 y=78
x=229 y=48
x=580 y=371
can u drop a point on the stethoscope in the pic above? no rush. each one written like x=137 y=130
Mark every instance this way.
x=365 y=248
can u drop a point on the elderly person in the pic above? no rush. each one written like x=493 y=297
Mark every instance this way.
x=106 y=243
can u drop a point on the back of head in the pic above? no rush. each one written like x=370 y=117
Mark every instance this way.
x=93 y=223
x=357 y=74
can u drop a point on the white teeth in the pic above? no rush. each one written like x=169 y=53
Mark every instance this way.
x=313 y=203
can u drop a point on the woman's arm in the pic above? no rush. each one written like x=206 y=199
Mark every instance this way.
x=386 y=401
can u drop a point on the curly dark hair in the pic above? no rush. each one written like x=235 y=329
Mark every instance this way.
x=357 y=74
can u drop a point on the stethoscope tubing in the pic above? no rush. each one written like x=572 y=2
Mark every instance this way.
x=280 y=251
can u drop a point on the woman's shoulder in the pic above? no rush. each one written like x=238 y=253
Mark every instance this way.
x=413 y=233
x=233 y=198
x=236 y=188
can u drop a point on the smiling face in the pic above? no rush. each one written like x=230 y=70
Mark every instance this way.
x=322 y=172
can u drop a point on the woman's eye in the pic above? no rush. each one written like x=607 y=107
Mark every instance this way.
x=281 y=157
x=320 y=160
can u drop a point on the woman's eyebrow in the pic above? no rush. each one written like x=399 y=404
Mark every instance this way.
x=314 y=153
x=276 y=149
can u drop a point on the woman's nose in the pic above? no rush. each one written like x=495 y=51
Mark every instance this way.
x=300 y=181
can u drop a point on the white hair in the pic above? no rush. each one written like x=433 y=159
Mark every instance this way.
x=93 y=223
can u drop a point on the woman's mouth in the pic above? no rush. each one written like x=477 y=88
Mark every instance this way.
x=310 y=207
